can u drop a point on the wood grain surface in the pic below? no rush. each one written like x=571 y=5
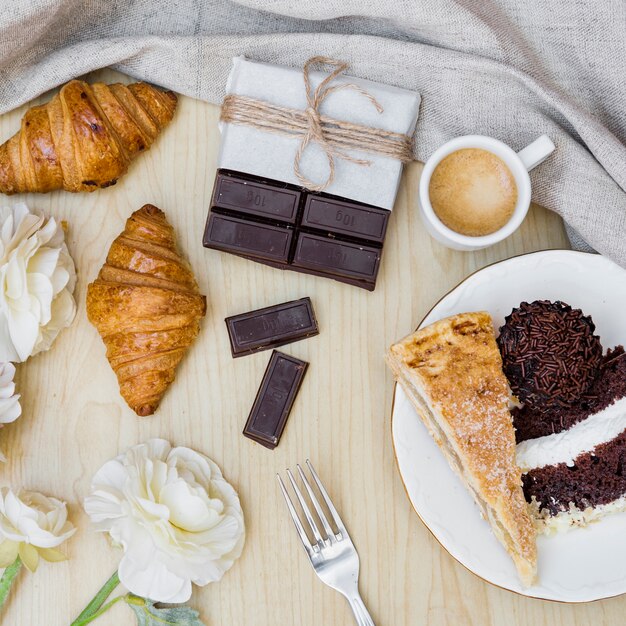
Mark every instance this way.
x=74 y=419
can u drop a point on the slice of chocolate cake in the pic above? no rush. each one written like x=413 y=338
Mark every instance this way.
x=578 y=474
x=571 y=439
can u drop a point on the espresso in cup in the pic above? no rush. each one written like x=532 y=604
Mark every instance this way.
x=473 y=192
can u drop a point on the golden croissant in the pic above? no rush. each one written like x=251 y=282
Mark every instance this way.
x=146 y=305
x=84 y=138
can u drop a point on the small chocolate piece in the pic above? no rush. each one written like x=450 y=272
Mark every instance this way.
x=253 y=197
x=273 y=402
x=336 y=258
x=247 y=238
x=289 y=228
x=347 y=218
x=549 y=354
x=271 y=327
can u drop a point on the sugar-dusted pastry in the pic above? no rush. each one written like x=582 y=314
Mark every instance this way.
x=452 y=373
x=146 y=305
x=84 y=138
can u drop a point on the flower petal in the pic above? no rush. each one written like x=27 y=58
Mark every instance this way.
x=29 y=556
x=155 y=582
x=8 y=552
x=10 y=409
x=23 y=329
x=44 y=261
x=52 y=555
x=188 y=511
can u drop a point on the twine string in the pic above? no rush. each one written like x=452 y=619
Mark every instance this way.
x=335 y=137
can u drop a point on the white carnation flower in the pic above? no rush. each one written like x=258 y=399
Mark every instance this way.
x=32 y=526
x=37 y=280
x=10 y=408
x=177 y=519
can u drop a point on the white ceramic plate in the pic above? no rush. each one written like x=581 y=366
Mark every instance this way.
x=581 y=565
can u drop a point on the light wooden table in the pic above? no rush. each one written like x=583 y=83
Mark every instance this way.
x=74 y=419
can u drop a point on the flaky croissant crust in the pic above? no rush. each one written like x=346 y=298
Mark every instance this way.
x=146 y=305
x=84 y=138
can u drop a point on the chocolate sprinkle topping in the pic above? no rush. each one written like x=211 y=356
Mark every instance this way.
x=549 y=353
x=609 y=386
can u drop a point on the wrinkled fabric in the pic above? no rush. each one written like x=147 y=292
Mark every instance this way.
x=509 y=69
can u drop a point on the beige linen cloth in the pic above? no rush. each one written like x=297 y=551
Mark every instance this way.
x=507 y=68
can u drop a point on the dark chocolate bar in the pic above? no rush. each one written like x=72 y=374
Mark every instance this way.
x=276 y=395
x=246 y=195
x=271 y=327
x=337 y=258
x=233 y=234
x=290 y=228
x=352 y=220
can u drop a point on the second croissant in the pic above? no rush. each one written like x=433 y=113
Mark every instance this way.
x=84 y=138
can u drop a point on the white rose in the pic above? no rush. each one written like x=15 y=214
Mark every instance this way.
x=177 y=519
x=32 y=526
x=10 y=408
x=37 y=279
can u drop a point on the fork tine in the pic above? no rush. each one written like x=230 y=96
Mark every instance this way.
x=296 y=520
x=305 y=508
x=329 y=504
x=320 y=512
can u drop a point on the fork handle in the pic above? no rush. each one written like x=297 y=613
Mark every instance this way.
x=361 y=614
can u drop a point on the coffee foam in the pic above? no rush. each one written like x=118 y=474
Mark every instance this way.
x=473 y=192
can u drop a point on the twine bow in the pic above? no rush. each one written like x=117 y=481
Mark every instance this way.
x=335 y=137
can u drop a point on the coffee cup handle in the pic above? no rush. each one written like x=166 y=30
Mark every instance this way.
x=537 y=152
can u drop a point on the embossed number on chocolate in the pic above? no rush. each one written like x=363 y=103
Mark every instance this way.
x=256 y=198
x=352 y=220
x=337 y=258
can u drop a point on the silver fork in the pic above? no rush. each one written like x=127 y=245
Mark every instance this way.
x=333 y=555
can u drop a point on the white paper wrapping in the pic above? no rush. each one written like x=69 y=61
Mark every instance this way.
x=269 y=155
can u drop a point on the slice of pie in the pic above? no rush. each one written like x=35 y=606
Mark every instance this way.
x=452 y=373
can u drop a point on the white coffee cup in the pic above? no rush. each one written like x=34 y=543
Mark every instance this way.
x=519 y=163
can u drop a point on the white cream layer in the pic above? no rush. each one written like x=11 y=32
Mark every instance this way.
x=565 y=446
x=574 y=517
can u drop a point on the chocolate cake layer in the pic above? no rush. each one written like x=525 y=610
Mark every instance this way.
x=596 y=478
x=610 y=385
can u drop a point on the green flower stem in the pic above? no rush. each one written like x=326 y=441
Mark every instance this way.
x=7 y=579
x=98 y=613
x=95 y=606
